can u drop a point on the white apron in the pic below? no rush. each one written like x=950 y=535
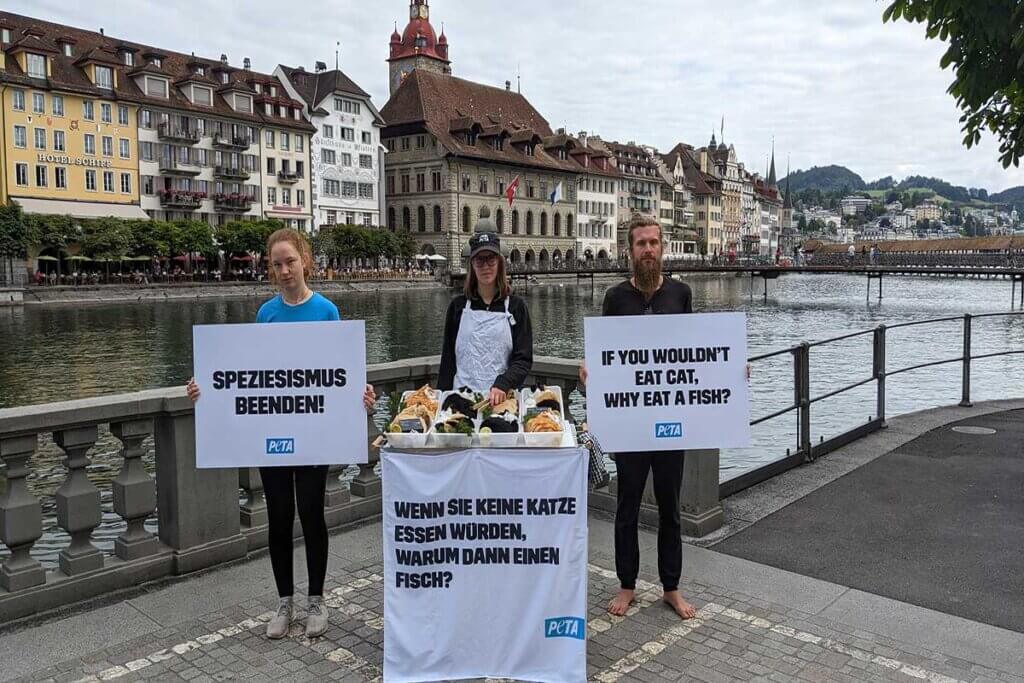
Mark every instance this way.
x=482 y=348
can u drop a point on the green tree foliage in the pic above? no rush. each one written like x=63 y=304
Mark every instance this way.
x=106 y=238
x=13 y=231
x=986 y=52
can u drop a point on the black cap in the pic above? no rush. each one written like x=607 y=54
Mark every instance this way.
x=484 y=241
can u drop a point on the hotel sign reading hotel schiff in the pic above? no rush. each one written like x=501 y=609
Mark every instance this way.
x=74 y=161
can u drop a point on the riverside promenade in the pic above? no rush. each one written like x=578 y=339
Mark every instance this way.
x=894 y=558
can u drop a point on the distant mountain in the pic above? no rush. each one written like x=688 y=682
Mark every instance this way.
x=1013 y=195
x=956 y=193
x=826 y=179
x=886 y=183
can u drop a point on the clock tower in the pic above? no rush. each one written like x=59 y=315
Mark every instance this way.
x=417 y=47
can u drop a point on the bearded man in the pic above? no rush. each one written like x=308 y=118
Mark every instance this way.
x=647 y=292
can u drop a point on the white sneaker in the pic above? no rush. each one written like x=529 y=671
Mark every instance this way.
x=277 y=627
x=316 y=617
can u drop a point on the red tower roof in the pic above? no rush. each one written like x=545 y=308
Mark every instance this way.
x=419 y=38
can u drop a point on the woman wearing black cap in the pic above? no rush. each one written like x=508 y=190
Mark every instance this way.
x=488 y=340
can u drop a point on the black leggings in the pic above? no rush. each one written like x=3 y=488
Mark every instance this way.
x=283 y=486
x=667 y=469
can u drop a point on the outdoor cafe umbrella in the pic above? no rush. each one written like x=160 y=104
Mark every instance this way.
x=436 y=257
x=46 y=258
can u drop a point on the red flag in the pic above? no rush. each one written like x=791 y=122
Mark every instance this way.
x=511 y=191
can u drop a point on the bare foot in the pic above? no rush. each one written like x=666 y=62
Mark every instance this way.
x=621 y=602
x=684 y=609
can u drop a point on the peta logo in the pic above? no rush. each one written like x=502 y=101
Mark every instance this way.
x=565 y=627
x=668 y=430
x=280 y=446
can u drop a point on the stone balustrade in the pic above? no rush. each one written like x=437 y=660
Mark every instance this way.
x=203 y=519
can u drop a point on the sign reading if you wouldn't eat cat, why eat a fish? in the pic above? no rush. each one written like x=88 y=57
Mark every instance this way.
x=667 y=382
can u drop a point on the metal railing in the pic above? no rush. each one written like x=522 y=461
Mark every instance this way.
x=202 y=521
x=805 y=450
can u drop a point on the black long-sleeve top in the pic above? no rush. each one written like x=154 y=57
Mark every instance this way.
x=625 y=299
x=519 y=362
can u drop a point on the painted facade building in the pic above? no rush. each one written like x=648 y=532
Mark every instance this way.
x=70 y=143
x=455 y=147
x=194 y=138
x=347 y=157
x=597 y=202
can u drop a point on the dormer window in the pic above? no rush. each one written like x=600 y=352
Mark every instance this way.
x=259 y=88
x=224 y=77
x=529 y=150
x=498 y=143
x=273 y=91
x=281 y=111
x=562 y=154
x=36 y=65
x=156 y=87
x=5 y=35
x=203 y=96
x=129 y=59
x=104 y=77
x=158 y=62
x=243 y=103
x=471 y=138
x=268 y=109
x=67 y=49
x=201 y=70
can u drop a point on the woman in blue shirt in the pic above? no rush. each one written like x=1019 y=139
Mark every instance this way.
x=291 y=261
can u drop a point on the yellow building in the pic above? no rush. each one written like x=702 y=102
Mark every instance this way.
x=69 y=133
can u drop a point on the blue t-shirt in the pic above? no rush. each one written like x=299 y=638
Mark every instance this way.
x=314 y=309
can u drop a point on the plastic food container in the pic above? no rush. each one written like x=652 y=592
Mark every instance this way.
x=439 y=440
x=413 y=439
x=408 y=439
x=541 y=439
x=499 y=439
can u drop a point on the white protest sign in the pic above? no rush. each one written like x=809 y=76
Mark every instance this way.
x=286 y=394
x=667 y=382
x=485 y=565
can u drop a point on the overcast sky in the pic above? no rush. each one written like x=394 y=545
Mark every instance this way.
x=828 y=80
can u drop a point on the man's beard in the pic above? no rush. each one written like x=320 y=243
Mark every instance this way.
x=647 y=275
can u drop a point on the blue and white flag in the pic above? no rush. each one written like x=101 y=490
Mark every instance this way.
x=556 y=195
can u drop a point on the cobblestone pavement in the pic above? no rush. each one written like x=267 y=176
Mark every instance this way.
x=734 y=637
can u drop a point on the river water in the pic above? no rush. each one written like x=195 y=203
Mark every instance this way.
x=65 y=352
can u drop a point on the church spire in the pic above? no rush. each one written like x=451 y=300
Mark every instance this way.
x=771 y=169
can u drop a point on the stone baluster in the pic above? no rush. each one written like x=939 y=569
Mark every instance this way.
x=336 y=494
x=367 y=483
x=254 y=509
x=134 y=491
x=78 y=502
x=21 y=516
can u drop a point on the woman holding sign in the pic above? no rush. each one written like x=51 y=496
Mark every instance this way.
x=285 y=488
x=488 y=340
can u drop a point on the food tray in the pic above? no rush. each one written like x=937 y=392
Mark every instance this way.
x=499 y=439
x=408 y=439
x=542 y=439
x=413 y=439
x=439 y=440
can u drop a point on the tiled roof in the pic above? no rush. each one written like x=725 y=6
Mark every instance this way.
x=437 y=102
x=314 y=87
x=68 y=75
x=579 y=152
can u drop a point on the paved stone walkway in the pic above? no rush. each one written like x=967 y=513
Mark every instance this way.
x=754 y=623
